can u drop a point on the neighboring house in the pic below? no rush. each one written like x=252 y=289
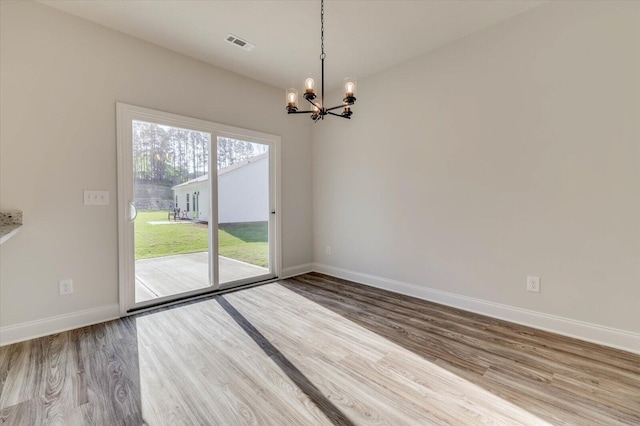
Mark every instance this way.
x=243 y=193
x=192 y=197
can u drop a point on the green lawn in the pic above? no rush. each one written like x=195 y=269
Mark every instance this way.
x=246 y=242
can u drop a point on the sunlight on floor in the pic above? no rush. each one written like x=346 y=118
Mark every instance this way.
x=230 y=377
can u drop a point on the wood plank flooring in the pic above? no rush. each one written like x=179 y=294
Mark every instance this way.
x=315 y=350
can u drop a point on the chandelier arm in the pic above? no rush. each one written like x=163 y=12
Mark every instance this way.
x=313 y=103
x=339 y=115
x=299 y=112
x=338 y=107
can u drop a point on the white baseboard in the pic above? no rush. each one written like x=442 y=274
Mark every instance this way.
x=44 y=327
x=607 y=336
x=297 y=270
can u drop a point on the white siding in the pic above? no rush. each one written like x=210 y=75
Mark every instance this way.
x=202 y=188
x=244 y=193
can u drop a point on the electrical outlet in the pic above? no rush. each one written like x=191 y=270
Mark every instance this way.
x=329 y=250
x=533 y=284
x=65 y=287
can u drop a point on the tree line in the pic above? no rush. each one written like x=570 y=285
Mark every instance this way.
x=164 y=155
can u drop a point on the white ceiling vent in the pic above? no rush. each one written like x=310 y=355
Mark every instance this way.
x=244 y=44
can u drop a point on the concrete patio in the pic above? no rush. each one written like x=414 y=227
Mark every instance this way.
x=168 y=275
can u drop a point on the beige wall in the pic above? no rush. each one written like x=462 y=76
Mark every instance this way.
x=512 y=152
x=61 y=77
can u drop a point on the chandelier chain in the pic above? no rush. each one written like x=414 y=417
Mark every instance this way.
x=322 y=55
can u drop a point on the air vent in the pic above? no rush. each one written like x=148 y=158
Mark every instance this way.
x=243 y=44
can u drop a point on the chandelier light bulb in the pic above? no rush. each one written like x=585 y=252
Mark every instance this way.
x=292 y=99
x=350 y=88
x=309 y=85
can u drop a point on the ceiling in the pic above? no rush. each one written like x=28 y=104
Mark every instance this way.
x=362 y=37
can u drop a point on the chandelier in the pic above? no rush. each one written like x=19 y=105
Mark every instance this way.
x=318 y=110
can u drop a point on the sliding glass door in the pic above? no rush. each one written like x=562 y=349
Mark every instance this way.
x=244 y=210
x=171 y=237
x=197 y=207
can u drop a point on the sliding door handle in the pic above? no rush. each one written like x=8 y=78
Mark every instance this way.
x=133 y=212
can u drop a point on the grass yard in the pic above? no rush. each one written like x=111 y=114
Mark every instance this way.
x=246 y=242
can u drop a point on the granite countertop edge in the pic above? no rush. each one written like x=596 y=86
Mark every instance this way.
x=10 y=224
x=8 y=231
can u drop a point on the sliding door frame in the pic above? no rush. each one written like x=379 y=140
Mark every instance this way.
x=125 y=115
x=273 y=206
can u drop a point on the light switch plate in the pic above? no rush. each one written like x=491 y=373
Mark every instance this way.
x=96 y=198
